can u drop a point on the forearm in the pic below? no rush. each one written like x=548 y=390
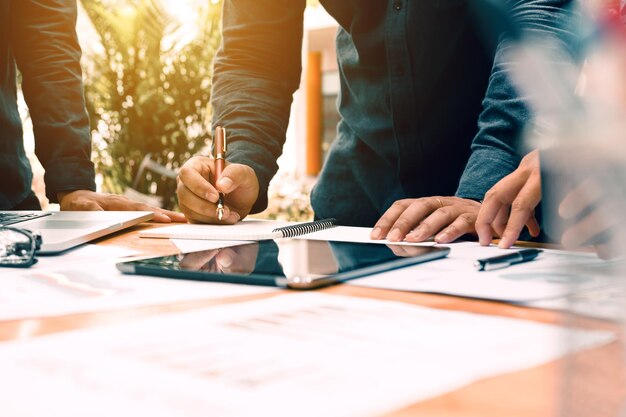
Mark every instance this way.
x=48 y=55
x=496 y=149
x=256 y=72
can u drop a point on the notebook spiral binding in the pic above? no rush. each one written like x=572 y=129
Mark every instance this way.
x=304 y=228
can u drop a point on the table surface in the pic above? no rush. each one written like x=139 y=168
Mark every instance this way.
x=532 y=392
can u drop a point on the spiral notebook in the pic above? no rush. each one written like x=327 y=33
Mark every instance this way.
x=245 y=230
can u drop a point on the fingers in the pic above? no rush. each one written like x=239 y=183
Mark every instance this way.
x=173 y=216
x=581 y=197
x=462 y=225
x=533 y=226
x=226 y=260
x=494 y=212
x=229 y=217
x=196 y=260
x=200 y=210
x=430 y=215
x=411 y=217
x=599 y=222
x=405 y=251
x=521 y=192
x=236 y=176
x=121 y=203
x=487 y=215
x=382 y=227
x=522 y=210
x=607 y=251
x=499 y=224
x=194 y=175
x=434 y=223
x=402 y=217
x=241 y=259
x=162 y=215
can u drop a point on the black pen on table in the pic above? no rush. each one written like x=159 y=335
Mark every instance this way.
x=502 y=261
x=220 y=162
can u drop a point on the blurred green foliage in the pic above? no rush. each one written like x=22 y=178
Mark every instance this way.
x=148 y=89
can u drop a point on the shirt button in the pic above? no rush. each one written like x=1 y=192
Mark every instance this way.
x=399 y=71
x=397 y=5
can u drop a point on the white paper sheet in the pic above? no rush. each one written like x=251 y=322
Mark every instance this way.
x=338 y=234
x=249 y=229
x=306 y=355
x=86 y=280
x=554 y=274
x=354 y=234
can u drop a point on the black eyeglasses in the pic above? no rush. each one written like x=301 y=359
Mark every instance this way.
x=18 y=247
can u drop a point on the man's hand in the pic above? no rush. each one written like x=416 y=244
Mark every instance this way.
x=510 y=204
x=85 y=200
x=198 y=198
x=446 y=218
x=596 y=219
x=240 y=260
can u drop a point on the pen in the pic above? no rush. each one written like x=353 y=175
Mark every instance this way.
x=502 y=261
x=220 y=158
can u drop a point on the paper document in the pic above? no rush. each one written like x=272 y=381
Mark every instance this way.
x=86 y=280
x=305 y=355
x=245 y=230
x=357 y=235
x=337 y=234
x=554 y=274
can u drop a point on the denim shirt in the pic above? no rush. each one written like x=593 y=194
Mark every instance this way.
x=426 y=107
x=39 y=36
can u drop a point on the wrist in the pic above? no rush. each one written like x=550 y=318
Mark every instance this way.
x=62 y=194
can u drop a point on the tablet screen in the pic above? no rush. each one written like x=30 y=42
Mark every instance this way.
x=294 y=262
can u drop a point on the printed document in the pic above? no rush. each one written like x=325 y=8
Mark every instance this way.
x=305 y=355
x=86 y=280
x=553 y=275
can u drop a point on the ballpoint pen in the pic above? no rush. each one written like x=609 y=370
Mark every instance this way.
x=220 y=159
x=502 y=261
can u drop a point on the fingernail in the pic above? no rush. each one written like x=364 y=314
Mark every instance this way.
x=376 y=233
x=442 y=238
x=225 y=183
x=417 y=233
x=395 y=235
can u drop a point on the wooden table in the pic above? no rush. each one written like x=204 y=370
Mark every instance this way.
x=533 y=392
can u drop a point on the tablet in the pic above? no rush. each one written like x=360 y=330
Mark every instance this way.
x=286 y=263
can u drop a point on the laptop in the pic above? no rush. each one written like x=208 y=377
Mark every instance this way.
x=63 y=230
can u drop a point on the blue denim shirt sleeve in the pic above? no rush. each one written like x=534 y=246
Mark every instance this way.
x=495 y=149
x=260 y=57
x=47 y=53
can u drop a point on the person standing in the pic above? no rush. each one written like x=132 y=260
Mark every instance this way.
x=418 y=83
x=38 y=37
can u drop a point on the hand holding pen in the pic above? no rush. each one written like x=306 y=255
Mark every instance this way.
x=207 y=184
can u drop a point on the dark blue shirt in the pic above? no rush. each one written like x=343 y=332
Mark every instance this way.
x=39 y=36
x=424 y=109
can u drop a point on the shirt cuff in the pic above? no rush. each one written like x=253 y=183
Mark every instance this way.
x=484 y=169
x=69 y=175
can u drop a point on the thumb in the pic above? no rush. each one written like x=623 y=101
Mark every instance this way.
x=236 y=176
